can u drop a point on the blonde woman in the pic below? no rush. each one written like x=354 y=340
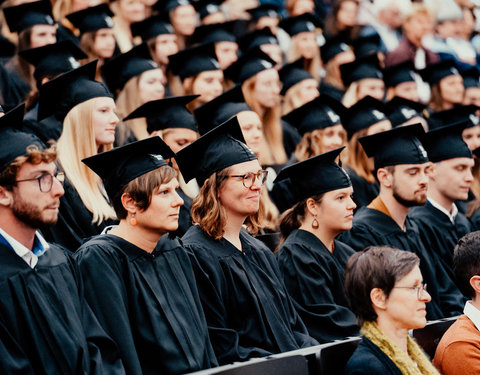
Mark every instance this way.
x=87 y=110
x=126 y=12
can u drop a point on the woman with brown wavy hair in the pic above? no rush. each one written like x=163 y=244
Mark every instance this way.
x=248 y=310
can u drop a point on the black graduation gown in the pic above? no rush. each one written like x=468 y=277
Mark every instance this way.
x=438 y=233
x=314 y=279
x=13 y=89
x=45 y=313
x=185 y=218
x=13 y=359
x=148 y=303
x=47 y=129
x=374 y=228
x=332 y=91
x=291 y=138
x=248 y=310
x=368 y=359
x=74 y=224
x=363 y=191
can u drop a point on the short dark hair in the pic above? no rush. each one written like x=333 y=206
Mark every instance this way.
x=375 y=267
x=466 y=262
x=142 y=188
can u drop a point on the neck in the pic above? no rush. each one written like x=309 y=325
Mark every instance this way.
x=232 y=229
x=440 y=198
x=476 y=302
x=398 y=212
x=138 y=236
x=323 y=234
x=397 y=334
x=17 y=229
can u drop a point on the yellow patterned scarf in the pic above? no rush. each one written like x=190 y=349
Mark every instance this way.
x=415 y=363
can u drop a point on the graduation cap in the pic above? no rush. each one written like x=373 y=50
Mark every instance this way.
x=213 y=33
x=396 y=74
x=447 y=143
x=401 y=145
x=332 y=47
x=92 y=18
x=434 y=73
x=362 y=67
x=218 y=149
x=61 y=94
x=471 y=77
x=401 y=110
x=257 y=38
x=320 y=113
x=249 y=64
x=166 y=113
x=151 y=27
x=7 y=48
x=367 y=45
x=208 y=7
x=121 y=165
x=366 y=112
x=192 y=61
x=170 y=5
x=220 y=109
x=53 y=59
x=117 y=71
x=313 y=176
x=24 y=16
x=264 y=10
x=306 y=22
x=14 y=142
x=293 y=73
x=461 y=113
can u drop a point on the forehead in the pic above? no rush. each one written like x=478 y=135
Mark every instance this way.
x=29 y=169
x=405 y=167
x=411 y=277
x=245 y=167
x=457 y=162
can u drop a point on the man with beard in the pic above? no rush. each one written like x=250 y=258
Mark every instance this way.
x=46 y=325
x=402 y=168
x=439 y=222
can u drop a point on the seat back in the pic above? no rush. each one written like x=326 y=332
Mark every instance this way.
x=429 y=336
x=333 y=357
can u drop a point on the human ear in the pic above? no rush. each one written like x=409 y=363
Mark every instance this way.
x=384 y=177
x=6 y=198
x=475 y=284
x=311 y=206
x=378 y=298
x=129 y=203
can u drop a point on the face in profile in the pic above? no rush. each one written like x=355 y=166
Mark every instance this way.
x=208 y=84
x=335 y=210
x=453 y=177
x=104 y=121
x=409 y=183
x=252 y=129
x=267 y=88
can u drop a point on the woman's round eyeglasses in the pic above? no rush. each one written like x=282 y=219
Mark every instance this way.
x=250 y=178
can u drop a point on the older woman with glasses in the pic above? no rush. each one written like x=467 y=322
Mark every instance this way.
x=246 y=304
x=385 y=290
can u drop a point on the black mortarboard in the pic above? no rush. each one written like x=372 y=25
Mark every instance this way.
x=14 y=142
x=264 y=10
x=170 y=5
x=465 y=113
x=293 y=73
x=257 y=38
x=192 y=61
x=218 y=149
x=249 y=64
x=306 y=22
x=471 y=77
x=213 y=33
x=366 y=45
x=220 y=109
x=53 y=59
x=401 y=110
x=396 y=74
x=166 y=113
x=7 y=48
x=322 y=112
x=363 y=114
x=121 y=165
x=119 y=70
x=1 y=109
x=434 y=73
x=61 y=94
x=447 y=143
x=402 y=145
x=362 y=67
x=314 y=176
x=92 y=18
x=23 y=16
x=207 y=7
x=332 y=47
x=151 y=27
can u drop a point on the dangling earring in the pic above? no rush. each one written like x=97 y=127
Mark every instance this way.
x=133 y=220
x=315 y=224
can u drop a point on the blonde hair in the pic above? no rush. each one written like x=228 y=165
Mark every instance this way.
x=292 y=100
x=436 y=100
x=272 y=150
x=76 y=143
x=313 y=66
x=357 y=159
x=332 y=74
x=311 y=145
x=351 y=95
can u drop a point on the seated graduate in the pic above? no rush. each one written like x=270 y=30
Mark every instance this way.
x=172 y=121
x=46 y=326
x=143 y=291
x=311 y=260
x=458 y=352
x=248 y=310
x=385 y=290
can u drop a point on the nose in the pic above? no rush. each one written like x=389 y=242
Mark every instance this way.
x=178 y=200
x=115 y=118
x=425 y=296
x=469 y=175
x=352 y=205
x=57 y=188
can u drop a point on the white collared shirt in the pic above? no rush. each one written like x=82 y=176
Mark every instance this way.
x=29 y=256
x=439 y=207
x=472 y=313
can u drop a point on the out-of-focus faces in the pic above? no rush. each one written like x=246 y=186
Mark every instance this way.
x=381 y=126
x=208 y=85
x=472 y=96
x=471 y=136
x=302 y=6
x=267 y=88
x=275 y=53
x=165 y=45
x=226 y=53
x=178 y=138
x=42 y=35
x=104 y=121
x=184 y=19
x=333 y=137
x=252 y=129
x=452 y=89
x=104 y=43
x=150 y=85
x=308 y=90
x=407 y=90
x=306 y=45
x=130 y=10
x=347 y=14
x=371 y=86
x=417 y=26
x=270 y=22
x=217 y=17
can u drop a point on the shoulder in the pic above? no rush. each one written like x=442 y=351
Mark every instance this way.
x=98 y=246
x=369 y=359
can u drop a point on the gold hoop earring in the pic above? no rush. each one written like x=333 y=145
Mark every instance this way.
x=133 y=220
x=315 y=223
